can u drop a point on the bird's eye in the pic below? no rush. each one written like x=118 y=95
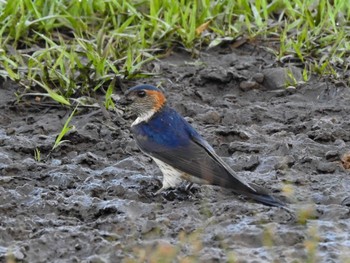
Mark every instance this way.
x=141 y=93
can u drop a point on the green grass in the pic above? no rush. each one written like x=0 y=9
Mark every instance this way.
x=70 y=48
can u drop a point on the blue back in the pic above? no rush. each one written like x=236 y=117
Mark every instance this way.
x=166 y=129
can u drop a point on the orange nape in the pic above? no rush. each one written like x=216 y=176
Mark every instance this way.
x=159 y=99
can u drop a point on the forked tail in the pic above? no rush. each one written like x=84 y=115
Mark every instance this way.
x=261 y=195
x=266 y=199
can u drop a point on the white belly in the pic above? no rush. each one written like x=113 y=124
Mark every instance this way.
x=172 y=177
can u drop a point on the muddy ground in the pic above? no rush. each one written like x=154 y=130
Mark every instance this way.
x=91 y=199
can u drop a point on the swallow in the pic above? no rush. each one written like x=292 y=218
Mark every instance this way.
x=178 y=149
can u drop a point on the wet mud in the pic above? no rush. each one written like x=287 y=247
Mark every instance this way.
x=91 y=200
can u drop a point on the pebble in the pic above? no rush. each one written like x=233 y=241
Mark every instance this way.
x=259 y=77
x=248 y=85
x=325 y=167
x=210 y=117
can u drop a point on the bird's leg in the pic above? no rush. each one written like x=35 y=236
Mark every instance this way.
x=171 y=179
x=164 y=187
x=161 y=190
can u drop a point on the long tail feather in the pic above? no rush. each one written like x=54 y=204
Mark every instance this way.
x=266 y=199
x=261 y=195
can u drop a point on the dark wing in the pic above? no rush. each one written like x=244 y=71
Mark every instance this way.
x=199 y=159
x=255 y=192
x=192 y=158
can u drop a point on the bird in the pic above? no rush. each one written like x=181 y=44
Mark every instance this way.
x=180 y=152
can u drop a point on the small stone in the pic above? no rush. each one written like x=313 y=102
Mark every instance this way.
x=324 y=167
x=210 y=117
x=148 y=227
x=248 y=85
x=259 y=77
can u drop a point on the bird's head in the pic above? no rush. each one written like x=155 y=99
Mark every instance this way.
x=143 y=100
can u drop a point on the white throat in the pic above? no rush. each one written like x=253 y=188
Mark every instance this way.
x=143 y=117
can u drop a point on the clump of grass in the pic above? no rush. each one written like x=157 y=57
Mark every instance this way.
x=318 y=35
x=37 y=155
x=78 y=47
x=66 y=128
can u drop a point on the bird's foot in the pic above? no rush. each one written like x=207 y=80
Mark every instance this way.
x=160 y=191
x=188 y=187
x=166 y=193
x=191 y=189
